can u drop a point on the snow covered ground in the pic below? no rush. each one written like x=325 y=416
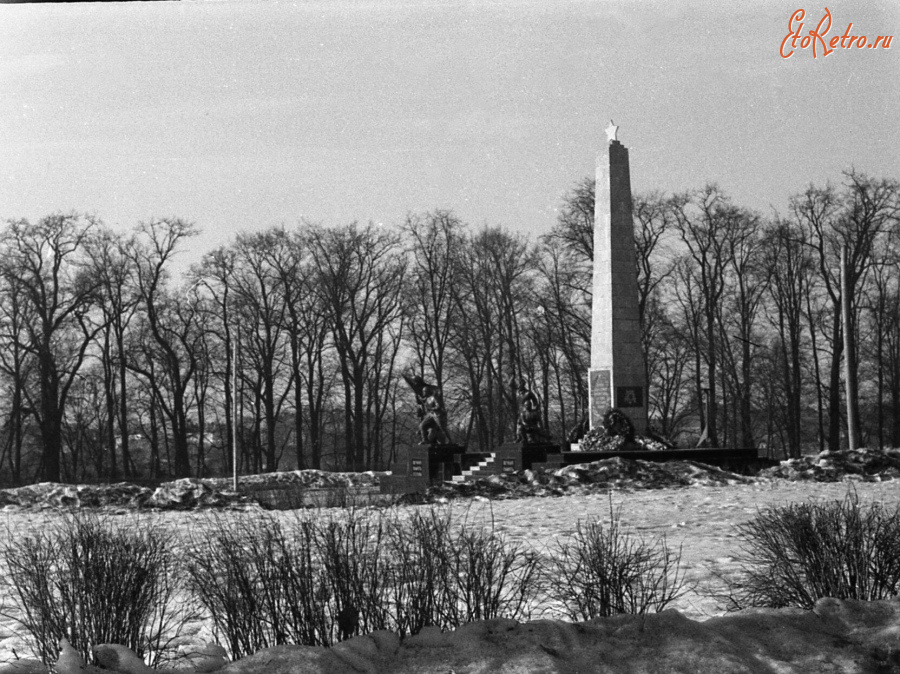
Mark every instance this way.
x=700 y=518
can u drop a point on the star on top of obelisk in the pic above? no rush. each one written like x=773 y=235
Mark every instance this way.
x=611 y=131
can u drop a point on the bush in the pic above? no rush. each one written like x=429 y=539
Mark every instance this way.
x=260 y=586
x=801 y=552
x=316 y=581
x=353 y=559
x=494 y=579
x=448 y=575
x=94 y=581
x=420 y=584
x=311 y=581
x=603 y=572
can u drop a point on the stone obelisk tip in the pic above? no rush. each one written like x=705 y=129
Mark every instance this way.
x=611 y=132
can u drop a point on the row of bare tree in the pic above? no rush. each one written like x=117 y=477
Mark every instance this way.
x=113 y=365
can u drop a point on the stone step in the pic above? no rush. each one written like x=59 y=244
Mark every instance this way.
x=478 y=469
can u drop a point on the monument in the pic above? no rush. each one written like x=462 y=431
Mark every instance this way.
x=618 y=375
x=530 y=429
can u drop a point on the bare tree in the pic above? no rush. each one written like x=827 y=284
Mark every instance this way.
x=495 y=294
x=654 y=221
x=214 y=273
x=117 y=303
x=789 y=268
x=574 y=227
x=361 y=279
x=307 y=325
x=261 y=304
x=704 y=219
x=738 y=314
x=689 y=299
x=436 y=243
x=567 y=321
x=880 y=313
x=669 y=355
x=58 y=283
x=18 y=366
x=83 y=426
x=857 y=219
x=169 y=334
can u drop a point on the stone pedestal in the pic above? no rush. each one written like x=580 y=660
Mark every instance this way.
x=618 y=375
x=514 y=456
x=435 y=463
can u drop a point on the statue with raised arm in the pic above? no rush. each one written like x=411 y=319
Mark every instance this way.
x=431 y=407
x=531 y=427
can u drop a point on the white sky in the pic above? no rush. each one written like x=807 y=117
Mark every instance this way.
x=239 y=115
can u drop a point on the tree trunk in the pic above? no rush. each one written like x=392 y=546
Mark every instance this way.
x=359 y=438
x=834 y=393
x=711 y=362
x=51 y=424
x=820 y=435
x=154 y=440
x=269 y=410
x=109 y=386
x=746 y=411
x=127 y=462
x=880 y=387
x=179 y=431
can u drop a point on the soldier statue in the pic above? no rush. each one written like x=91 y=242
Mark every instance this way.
x=531 y=428
x=431 y=407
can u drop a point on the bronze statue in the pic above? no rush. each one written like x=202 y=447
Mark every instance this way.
x=531 y=427
x=431 y=406
x=579 y=431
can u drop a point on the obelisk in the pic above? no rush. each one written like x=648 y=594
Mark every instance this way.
x=618 y=376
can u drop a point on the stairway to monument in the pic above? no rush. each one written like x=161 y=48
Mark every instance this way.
x=483 y=465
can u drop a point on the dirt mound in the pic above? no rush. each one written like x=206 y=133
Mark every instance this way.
x=313 y=479
x=620 y=473
x=183 y=494
x=864 y=464
x=596 y=476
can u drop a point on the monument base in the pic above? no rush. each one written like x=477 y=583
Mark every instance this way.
x=606 y=391
x=435 y=463
x=418 y=466
x=514 y=456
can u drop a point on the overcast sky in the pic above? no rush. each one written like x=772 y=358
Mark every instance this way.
x=240 y=115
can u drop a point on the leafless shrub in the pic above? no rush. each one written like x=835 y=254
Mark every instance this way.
x=95 y=580
x=604 y=571
x=420 y=583
x=351 y=548
x=801 y=552
x=493 y=577
x=260 y=586
x=447 y=575
x=325 y=577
